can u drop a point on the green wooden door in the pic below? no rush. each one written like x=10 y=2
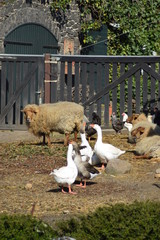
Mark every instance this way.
x=99 y=47
x=30 y=39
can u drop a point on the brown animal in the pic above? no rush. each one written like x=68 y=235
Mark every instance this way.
x=135 y=118
x=144 y=129
x=148 y=147
x=147 y=136
x=62 y=117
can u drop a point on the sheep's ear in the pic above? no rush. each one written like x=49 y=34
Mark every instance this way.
x=23 y=111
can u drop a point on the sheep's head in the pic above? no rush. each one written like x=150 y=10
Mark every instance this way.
x=132 y=118
x=29 y=112
x=138 y=132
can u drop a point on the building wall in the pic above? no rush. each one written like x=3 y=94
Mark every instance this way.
x=65 y=29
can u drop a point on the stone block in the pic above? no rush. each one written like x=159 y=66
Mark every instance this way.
x=118 y=166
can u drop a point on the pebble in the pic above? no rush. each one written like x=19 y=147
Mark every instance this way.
x=158 y=170
x=157 y=174
x=28 y=186
x=66 y=212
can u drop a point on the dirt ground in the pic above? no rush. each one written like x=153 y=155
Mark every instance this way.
x=27 y=188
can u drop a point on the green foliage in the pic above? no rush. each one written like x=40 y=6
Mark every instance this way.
x=24 y=228
x=133 y=26
x=60 y=5
x=135 y=221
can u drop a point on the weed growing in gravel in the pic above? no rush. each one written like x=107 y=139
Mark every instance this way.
x=13 y=150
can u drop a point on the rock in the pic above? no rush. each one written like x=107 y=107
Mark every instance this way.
x=28 y=186
x=118 y=166
x=157 y=174
x=158 y=170
x=66 y=212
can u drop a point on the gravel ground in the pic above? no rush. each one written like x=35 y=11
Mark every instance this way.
x=27 y=188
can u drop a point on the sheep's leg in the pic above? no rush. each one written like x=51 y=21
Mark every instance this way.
x=144 y=156
x=75 y=135
x=49 y=140
x=44 y=139
x=66 y=139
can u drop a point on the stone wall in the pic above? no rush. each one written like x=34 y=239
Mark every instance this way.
x=64 y=28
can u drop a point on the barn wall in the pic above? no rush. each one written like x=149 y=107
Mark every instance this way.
x=18 y=13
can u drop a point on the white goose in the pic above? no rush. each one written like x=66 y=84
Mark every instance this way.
x=87 y=151
x=105 y=151
x=66 y=174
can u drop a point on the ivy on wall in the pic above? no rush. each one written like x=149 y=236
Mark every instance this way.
x=133 y=25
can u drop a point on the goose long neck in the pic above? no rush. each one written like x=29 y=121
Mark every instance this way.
x=69 y=154
x=83 y=137
x=99 y=135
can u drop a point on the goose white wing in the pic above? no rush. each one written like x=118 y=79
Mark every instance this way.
x=87 y=152
x=104 y=147
x=108 y=151
x=65 y=174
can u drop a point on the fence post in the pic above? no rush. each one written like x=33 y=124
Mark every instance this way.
x=47 y=84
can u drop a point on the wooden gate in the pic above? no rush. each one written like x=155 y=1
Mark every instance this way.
x=127 y=84
x=21 y=82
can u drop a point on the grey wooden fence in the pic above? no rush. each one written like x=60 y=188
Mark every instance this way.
x=102 y=84
x=21 y=80
x=124 y=83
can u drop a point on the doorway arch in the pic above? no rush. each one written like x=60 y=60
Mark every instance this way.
x=30 y=38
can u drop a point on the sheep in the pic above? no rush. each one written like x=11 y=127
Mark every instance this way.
x=148 y=147
x=147 y=139
x=135 y=118
x=63 y=117
x=144 y=129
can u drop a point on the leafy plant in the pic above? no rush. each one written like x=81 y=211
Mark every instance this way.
x=135 y=221
x=24 y=228
x=133 y=26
